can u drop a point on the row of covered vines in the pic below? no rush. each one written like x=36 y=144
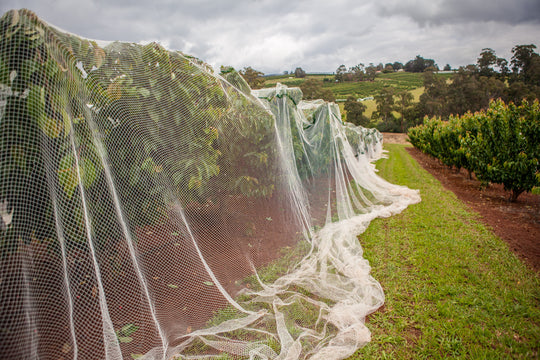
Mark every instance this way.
x=74 y=113
x=68 y=106
x=138 y=188
x=499 y=145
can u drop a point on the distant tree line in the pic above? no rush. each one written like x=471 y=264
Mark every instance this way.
x=362 y=72
x=358 y=72
x=471 y=88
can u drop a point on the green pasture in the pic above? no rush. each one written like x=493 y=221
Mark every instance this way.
x=412 y=82
x=400 y=80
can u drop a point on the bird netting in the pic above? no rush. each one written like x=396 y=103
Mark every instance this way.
x=153 y=209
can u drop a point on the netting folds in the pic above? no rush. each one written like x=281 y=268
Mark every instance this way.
x=151 y=208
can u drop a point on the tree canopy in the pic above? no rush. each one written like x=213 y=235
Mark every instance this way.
x=299 y=73
x=355 y=112
x=419 y=64
x=313 y=89
x=253 y=77
x=472 y=87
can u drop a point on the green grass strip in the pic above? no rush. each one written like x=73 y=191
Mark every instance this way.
x=453 y=289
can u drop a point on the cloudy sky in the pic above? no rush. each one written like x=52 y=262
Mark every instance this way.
x=319 y=35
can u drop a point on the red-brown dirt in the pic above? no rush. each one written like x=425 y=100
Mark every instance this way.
x=251 y=233
x=517 y=223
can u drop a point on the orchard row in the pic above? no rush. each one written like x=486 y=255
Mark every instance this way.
x=499 y=145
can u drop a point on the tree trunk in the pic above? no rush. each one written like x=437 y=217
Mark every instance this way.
x=514 y=195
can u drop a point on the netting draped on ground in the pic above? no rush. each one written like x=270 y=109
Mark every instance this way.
x=151 y=208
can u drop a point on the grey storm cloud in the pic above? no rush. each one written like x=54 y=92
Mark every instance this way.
x=459 y=11
x=318 y=35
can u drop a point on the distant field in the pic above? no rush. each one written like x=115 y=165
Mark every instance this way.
x=417 y=92
x=371 y=106
x=290 y=80
x=399 y=80
x=412 y=82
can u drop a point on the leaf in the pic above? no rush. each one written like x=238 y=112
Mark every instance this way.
x=78 y=221
x=89 y=172
x=84 y=46
x=172 y=286
x=114 y=91
x=51 y=68
x=18 y=154
x=148 y=164
x=144 y=92
x=194 y=183
x=67 y=122
x=67 y=175
x=35 y=35
x=35 y=104
x=99 y=55
x=66 y=348
x=49 y=126
x=125 y=339
x=128 y=329
x=134 y=175
x=14 y=18
x=157 y=94
x=208 y=283
x=154 y=115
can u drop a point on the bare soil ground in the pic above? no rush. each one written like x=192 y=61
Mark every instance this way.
x=516 y=223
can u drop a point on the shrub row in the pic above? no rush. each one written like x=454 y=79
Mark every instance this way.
x=499 y=145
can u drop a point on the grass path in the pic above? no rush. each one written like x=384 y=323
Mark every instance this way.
x=453 y=289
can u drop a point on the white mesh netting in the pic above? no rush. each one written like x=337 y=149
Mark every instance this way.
x=151 y=208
